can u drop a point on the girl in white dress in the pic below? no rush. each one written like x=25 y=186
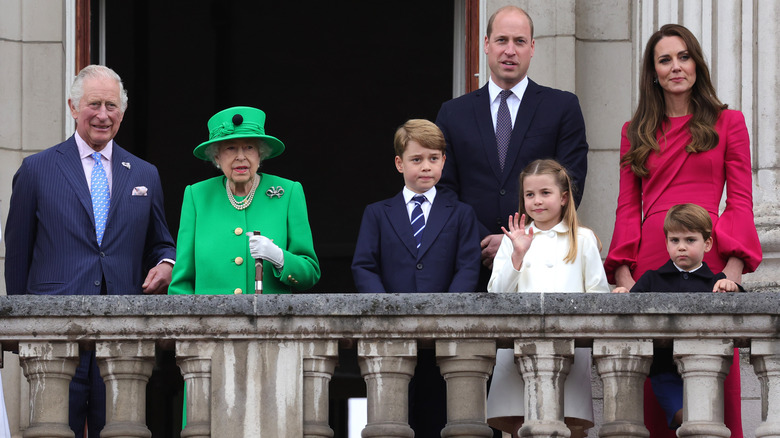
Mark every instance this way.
x=549 y=252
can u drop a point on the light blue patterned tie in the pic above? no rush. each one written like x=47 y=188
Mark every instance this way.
x=418 y=218
x=100 y=197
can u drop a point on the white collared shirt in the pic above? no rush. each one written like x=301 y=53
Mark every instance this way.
x=87 y=162
x=513 y=101
x=426 y=206
x=692 y=270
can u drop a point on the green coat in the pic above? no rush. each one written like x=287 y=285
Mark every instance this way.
x=212 y=251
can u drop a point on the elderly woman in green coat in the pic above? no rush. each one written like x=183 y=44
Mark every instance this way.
x=228 y=222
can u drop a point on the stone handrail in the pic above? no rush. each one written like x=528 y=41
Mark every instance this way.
x=241 y=355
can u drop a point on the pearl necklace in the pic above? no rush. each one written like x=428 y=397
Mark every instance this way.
x=241 y=205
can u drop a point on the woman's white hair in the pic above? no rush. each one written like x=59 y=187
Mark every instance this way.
x=93 y=72
x=213 y=149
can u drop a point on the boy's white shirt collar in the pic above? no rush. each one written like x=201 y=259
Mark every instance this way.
x=429 y=195
x=692 y=270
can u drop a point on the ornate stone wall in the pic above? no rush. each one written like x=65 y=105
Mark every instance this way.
x=260 y=365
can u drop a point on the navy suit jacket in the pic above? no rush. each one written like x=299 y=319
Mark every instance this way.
x=51 y=248
x=387 y=259
x=668 y=278
x=549 y=124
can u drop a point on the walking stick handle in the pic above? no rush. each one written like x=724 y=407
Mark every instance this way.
x=258 y=271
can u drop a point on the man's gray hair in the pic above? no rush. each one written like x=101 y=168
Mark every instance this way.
x=93 y=72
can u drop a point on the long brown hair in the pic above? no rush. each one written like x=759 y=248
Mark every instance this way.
x=568 y=211
x=650 y=113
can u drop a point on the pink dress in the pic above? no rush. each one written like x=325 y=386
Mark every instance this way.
x=677 y=177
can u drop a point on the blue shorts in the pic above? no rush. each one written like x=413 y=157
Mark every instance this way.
x=668 y=390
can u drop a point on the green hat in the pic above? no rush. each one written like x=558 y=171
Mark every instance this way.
x=239 y=122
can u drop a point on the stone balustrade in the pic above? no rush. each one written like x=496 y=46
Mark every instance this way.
x=261 y=365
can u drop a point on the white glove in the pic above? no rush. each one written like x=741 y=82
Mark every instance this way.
x=264 y=248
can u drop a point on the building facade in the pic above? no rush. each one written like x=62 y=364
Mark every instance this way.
x=590 y=47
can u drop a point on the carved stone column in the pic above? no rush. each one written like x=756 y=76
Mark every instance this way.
x=49 y=367
x=544 y=365
x=623 y=366
x=466 y=366
x=194 y=360
x=765 y=356
x=319 y=362
x=125 y=367
x=703 y=364
x=387 y=366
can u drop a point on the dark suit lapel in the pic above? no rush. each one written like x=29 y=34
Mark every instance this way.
x=396 y=212
x=487 y=132
x=73 y=171
x=120 y=176
x=441 y=210
x=525 y=114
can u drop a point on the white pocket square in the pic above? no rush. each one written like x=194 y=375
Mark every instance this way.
x=140 y=191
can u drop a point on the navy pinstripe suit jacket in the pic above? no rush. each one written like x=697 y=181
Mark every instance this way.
x=51 y=248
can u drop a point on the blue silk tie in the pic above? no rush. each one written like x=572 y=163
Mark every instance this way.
x=418 y=218
x=100 y=197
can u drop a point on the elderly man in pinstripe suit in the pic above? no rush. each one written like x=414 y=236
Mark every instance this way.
x=86 y=218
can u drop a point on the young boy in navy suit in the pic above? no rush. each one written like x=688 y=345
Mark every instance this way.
x=428 y=244
x=387 y=257
x=688 y=230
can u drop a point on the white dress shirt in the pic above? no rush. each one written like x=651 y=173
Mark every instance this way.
x=426 y=206
x=513 y=101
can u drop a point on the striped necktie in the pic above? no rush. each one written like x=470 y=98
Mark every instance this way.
x=418 y=218
x=100 y=197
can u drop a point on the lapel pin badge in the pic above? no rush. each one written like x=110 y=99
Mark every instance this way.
x=126 y=164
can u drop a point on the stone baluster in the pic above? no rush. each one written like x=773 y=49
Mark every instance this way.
x=387 y=366
x=49 y=367
x=194 y=360
x=765 y=356
x=703 y=364
x=544 y=365
x=126 y=367
x=466 y=366
x=623 y=366
x=319 y=362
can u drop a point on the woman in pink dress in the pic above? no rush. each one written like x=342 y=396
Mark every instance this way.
x=681 y=146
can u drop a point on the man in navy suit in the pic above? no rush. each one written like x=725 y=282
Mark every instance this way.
x=421 y=240
x=540 y=122
x=53 y=246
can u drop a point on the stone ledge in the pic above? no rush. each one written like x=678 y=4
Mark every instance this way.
x=424 y=317
x=476 y=304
